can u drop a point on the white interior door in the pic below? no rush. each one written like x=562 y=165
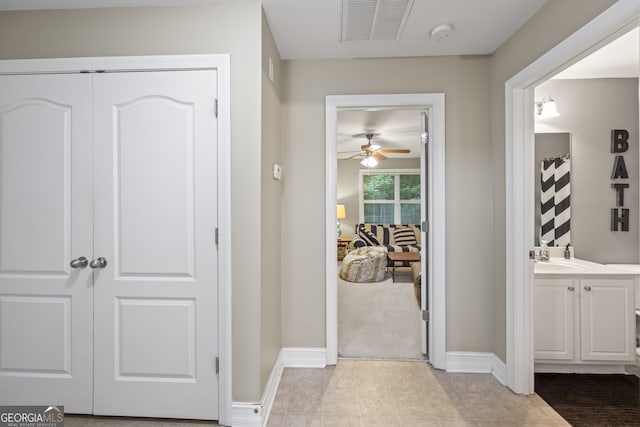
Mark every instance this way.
x=426 y=247
x=156 y=321
x=46 y=306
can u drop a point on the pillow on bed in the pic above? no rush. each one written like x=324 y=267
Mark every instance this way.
x=369 y=237
x=404 y=236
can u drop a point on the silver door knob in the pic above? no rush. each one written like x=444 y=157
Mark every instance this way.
x=79 y=262
x=587 y=288
x=100 y=262
x=571 y=288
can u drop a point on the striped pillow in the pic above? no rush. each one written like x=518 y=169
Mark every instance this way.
x=404 y=236
x=358 y=241
x=369 y=237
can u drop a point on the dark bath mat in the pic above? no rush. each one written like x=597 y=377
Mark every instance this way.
x=592 y=399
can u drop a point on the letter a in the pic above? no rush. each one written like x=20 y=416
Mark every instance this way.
x=619 y=168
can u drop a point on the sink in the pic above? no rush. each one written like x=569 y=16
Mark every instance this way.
x=576 y=267
x=558 y=266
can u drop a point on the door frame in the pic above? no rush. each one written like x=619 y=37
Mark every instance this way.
x=435 y=247
x=519 y=169
x=221 y=63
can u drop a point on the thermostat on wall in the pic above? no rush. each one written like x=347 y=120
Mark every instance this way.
x=277 y=171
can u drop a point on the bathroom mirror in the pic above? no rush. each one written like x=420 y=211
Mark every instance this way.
x=552 y=166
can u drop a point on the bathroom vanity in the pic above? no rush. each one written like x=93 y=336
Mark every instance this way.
x=584 y=316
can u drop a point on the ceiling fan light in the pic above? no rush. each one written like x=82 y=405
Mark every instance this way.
x=369 y=162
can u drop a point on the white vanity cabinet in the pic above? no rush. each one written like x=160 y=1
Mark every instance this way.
x=554 y=319
x=583 y=320
x=607 y=319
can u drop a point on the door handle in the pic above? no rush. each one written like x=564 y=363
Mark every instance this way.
x=79 y=262
x=100 y=262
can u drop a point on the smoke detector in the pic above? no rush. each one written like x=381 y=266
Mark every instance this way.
x=441 y=32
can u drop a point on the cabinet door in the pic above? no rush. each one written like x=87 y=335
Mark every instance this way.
x=554 y=318
x=607 y=319
x=46 y=305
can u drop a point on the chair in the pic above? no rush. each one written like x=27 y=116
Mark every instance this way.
x=367 y=264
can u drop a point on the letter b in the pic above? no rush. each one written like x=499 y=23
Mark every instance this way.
x=619 y=140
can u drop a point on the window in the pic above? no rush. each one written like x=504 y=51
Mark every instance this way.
x=390 y=196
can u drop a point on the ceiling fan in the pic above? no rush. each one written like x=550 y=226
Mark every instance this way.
x=374 y=151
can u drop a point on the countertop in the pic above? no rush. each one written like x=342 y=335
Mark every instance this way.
x=557 y=266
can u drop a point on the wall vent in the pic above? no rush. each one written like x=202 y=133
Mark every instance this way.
x=374 y=20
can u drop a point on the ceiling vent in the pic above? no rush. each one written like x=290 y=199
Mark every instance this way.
x=374 y=20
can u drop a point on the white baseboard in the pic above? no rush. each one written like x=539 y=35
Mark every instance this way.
x=304 y=357
x=474 y=362
x=246 y=414
x=467 y=361
x=271 y=388
x=499 y=370
x=257 y=414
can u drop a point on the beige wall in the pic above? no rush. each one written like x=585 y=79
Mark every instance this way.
x=225 y=28
x=465 y=82
x=348 y=192
x=552 y=24
x=270 y=297
x=592 y=197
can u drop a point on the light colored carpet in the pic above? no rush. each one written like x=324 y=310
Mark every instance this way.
x=379 y=320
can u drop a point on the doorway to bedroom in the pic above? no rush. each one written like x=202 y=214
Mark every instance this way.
x=379 y=210
x=385 y=172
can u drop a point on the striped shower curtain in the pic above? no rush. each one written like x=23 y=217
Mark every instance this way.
x=555 y=219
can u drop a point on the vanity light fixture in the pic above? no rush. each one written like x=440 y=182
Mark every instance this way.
x=369 y=162
x=546 y=109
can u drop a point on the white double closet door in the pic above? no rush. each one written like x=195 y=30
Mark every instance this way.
x=118 y=168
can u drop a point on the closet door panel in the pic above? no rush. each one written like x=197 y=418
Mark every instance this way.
x=155 y=197
x=154 y=188
x=35 y=183
x=46 y=306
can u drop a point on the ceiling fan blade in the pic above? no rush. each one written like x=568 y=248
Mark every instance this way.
x=394 y=151
x=353 y=157
x=379 y=156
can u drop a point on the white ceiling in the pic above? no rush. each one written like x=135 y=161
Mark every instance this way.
x=618 y=59
x=308 y=29
x=394 y=129
x=311 y=29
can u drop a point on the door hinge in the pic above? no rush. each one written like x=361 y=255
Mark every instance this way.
x=217 y=365
x=425 y=226
x=216 y=236
x=215 y=107
x=425 y=315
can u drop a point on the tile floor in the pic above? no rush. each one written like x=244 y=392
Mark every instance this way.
x=381 y=393
x=397 y=393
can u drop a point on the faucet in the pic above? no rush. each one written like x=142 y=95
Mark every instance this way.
x=544 y=250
